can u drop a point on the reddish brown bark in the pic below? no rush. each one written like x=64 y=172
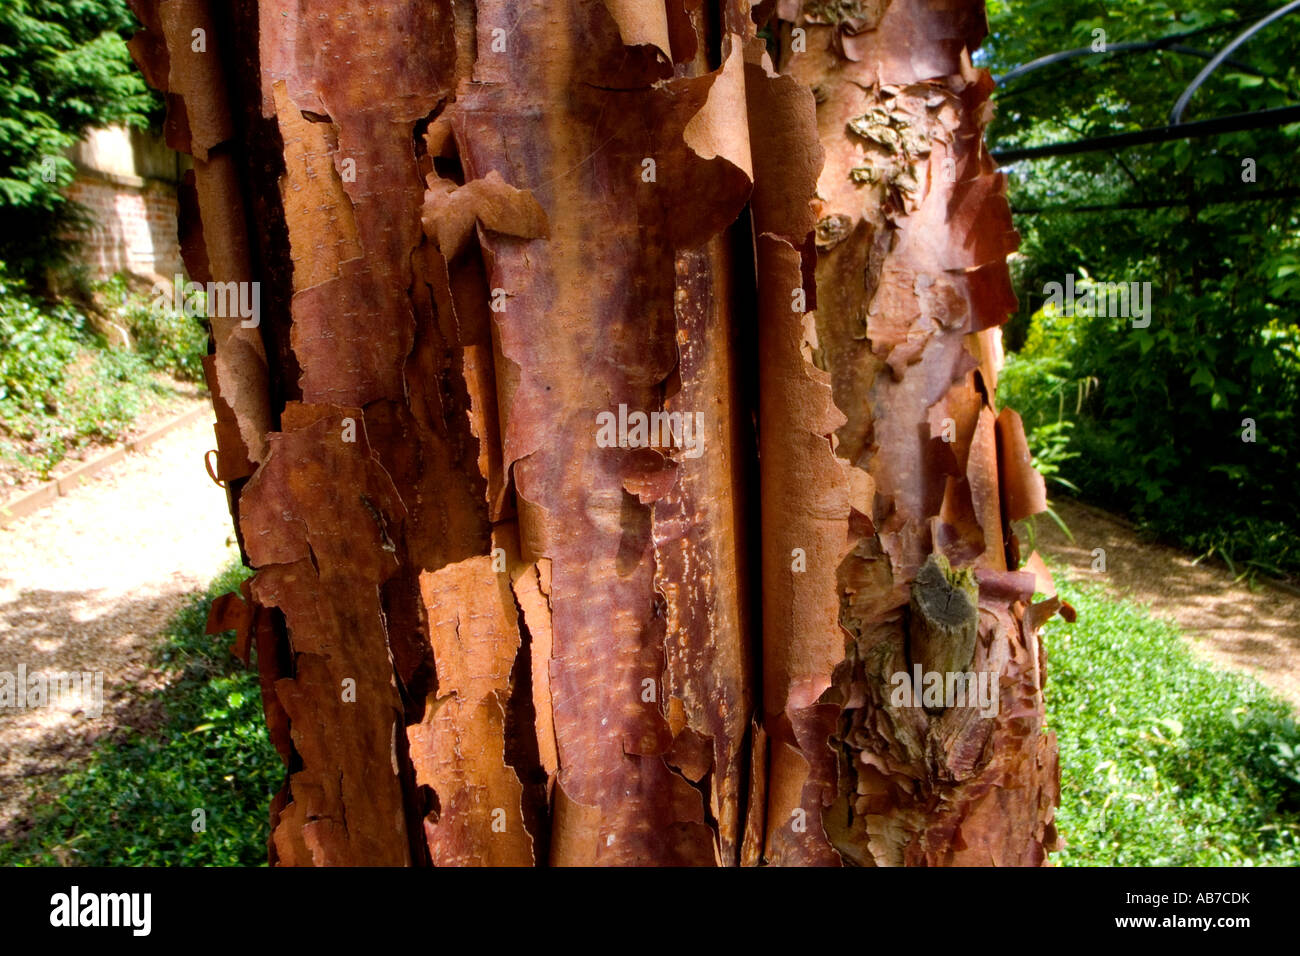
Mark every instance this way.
x=486 y=635
x=900 y=363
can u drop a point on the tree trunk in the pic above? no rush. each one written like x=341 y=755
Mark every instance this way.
x=609 y=394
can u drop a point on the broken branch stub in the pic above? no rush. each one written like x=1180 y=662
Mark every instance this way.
x=944 y=616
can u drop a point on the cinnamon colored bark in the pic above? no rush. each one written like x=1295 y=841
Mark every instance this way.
x=587 y=444
x=900 y=363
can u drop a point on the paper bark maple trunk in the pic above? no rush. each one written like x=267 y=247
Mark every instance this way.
x=617 y=373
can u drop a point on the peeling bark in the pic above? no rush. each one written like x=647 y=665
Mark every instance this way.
x=589 y=445
x=913 y=233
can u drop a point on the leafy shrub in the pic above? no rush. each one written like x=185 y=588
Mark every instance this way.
x=1150 y=422
x=131 y=805
x=36 y=346
x=170 y=341
x=62 y=386
x=110 y=393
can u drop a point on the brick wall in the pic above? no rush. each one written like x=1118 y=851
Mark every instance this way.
x=134 y=224
x=126 y=181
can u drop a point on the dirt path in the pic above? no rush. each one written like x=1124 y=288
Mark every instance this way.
x=1231 y=626
x=88 y=583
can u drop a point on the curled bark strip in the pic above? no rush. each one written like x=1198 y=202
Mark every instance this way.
x=194 y=72
x=1023 y=489
x=642 y=24
x=532 y=587
x=319 y=519
x=450 y=211
x=459 y=747
x=168 y=52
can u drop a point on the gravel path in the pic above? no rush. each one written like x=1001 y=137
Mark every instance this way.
x=1231 y=625
x=88 y=583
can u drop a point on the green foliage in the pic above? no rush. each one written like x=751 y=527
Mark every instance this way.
x=132 y=804
x=168 y=340
x=1038 y=382
x=1164 y=762
x=62 y=387
x=1158 y=444
x=64 y=68
x=111 y=391
x=1149 y=421
x=37 y=344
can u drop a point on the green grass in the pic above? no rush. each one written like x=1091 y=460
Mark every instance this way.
x=133 y=803
x=1164 y=761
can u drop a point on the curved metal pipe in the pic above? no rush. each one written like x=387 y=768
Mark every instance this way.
x=1176 y=116
x=1179 y=48
x=1051 y=58
x=1130 y=46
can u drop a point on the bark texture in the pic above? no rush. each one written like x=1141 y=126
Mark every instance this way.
x=900 y=363
x=610 y=391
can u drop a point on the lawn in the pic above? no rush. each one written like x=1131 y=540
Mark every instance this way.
x=1164 y=761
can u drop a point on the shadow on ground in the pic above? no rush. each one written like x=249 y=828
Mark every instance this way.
x=56 y=631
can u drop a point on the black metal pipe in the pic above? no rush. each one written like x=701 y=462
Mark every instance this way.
x=1129 y=46
x=1260 y=195
x=1260 y=119
x=1176 y=116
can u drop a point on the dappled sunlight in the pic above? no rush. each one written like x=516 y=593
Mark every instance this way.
x=137 y=542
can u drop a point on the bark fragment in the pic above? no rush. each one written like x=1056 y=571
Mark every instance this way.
x=459 y=747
